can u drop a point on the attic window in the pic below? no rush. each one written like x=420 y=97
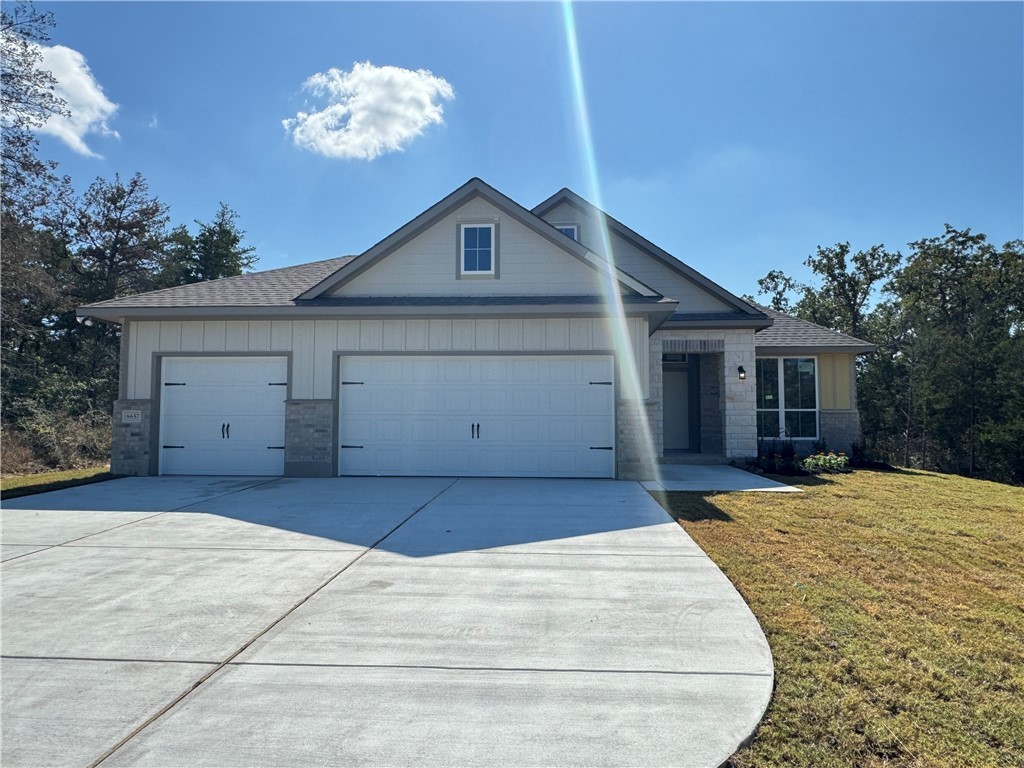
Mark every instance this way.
x=569 y=230
x=477 y=255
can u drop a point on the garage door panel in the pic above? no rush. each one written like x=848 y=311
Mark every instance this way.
x=537 y=416
x=223 y=415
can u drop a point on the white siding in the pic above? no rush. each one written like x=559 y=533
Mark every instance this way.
x=528 y=264
x=644 y=267
x=313 y=343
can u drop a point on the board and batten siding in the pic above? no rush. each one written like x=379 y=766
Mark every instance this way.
x=644 y=267
x=312 y=343
x=528 y=264
x=837 y=385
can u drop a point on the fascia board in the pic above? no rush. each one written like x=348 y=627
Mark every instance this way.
x=770 y=351
x=366 y=313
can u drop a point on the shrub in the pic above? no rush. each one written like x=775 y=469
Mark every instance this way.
x=826 y=462
x=54 y=440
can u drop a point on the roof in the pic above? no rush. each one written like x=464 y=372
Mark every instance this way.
x=666 y=258
x=792 y=333
x=272 y=288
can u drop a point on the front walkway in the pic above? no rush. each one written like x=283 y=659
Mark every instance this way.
x=720 y=477
x=369 y=621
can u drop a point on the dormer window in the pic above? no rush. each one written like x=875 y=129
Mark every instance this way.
x=478 y=252
x=569 y=230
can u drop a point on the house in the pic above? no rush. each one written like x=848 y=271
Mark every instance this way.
x=481 y=338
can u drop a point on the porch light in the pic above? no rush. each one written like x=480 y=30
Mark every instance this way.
x=742 y=372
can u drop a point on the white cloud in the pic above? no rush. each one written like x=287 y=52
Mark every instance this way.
x=370 y=110
x=90 y=108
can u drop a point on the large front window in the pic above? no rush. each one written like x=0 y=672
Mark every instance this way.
x=787 y=397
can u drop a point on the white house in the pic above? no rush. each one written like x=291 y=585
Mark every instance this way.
x=481 y=338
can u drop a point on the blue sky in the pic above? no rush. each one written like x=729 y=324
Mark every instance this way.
x=736 y=136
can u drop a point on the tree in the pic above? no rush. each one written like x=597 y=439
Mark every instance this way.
x=28 y=99
x=847 y=286
x=118 y=234
x=216 y=251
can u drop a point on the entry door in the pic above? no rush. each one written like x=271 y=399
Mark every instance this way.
x=477 y=416
x=676 y=415
x=222 y=415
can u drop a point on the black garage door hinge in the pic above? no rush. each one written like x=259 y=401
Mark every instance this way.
x=277 y=383
x=601 y=448
x=351 y=446
x=275 y=447
x=353 y=382
x=172 y=446
x=605 y=383
x=174 y=383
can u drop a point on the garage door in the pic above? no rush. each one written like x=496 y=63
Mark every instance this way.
x=222 y=415
x=477 y=416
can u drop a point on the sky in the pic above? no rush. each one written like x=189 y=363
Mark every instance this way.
x=736 y=136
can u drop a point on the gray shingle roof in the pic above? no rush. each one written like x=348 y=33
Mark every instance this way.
x=273 y=288
x=790 y=332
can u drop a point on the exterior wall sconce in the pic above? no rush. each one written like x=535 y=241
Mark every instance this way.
x=742 y=372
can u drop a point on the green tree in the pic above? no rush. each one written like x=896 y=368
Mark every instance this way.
x=216 y=251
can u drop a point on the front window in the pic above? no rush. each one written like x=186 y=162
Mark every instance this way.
x=478 y=249
x=787 y=397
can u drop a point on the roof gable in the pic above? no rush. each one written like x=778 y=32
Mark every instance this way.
x=637 y=246
x=471 y=191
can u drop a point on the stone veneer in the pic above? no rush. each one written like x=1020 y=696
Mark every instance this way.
x=722 y=352
x=131 y=444
x=309 y=438
x=635 y=453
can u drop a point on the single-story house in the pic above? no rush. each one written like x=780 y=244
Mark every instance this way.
x=479 y=339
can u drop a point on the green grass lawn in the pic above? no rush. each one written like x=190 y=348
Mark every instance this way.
x=12 y=486
x=894 y=606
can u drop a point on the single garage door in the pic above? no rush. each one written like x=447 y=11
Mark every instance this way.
x=222 y=415
x=477 y=416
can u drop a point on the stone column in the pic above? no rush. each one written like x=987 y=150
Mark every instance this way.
x=131 y=440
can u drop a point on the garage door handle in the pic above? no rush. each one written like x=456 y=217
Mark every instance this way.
x=223 y=426
x=228 y=431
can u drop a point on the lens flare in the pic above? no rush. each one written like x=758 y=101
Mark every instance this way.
x=619 y=327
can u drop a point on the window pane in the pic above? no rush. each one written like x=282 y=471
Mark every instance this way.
x=798 y=376
x=768 y=424
x=469 y=261
x=484 y=237
x=483 y=262
x=469 y=237
x=568 y=231
x=801 y=424
x=768 y=383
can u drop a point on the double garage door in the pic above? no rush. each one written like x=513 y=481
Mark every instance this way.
x=516 y=416
x=477 y=416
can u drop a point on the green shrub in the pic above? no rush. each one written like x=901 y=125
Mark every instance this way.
x=826 y=462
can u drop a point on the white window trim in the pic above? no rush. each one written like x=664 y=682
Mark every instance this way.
x=462 y=246
x=781 y=410
x=575 y=230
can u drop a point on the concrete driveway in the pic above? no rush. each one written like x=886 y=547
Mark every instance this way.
x=368 y=621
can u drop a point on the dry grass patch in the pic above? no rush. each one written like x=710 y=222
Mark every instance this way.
x=13 y=486
x=894 y=606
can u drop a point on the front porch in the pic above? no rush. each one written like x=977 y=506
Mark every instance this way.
x=702 y=406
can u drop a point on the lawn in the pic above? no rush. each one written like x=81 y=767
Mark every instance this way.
x=894 y=606
x=13 y=486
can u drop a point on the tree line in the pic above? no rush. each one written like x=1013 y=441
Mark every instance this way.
x=945 y=388
x=60 y=250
